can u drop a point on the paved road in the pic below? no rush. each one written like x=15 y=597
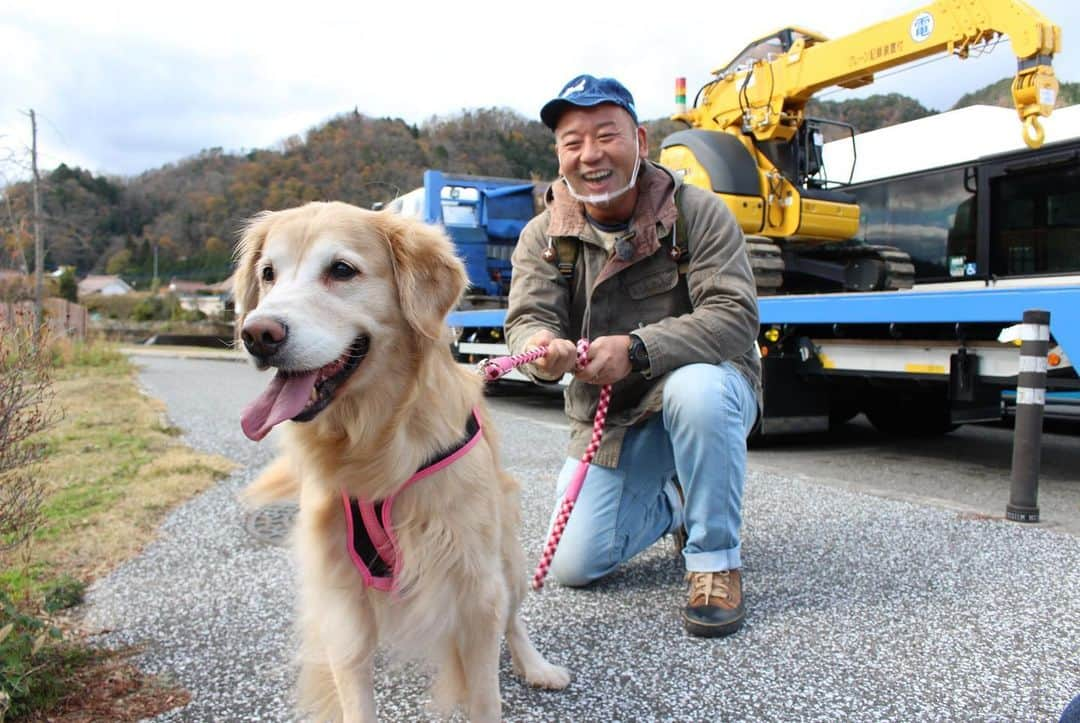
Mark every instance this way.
x=967 y=471
x=860 y=607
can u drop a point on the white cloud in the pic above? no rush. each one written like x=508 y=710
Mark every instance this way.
x=126 y=86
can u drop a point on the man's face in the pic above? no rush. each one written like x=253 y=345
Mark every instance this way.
x=598 y=148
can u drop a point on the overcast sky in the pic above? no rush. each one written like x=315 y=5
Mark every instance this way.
x=122 y=87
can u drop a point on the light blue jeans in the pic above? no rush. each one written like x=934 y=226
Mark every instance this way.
x=700 y=439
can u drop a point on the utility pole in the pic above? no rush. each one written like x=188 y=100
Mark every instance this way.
x=39 y=246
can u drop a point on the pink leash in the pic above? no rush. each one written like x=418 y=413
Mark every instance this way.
x=500 y=366
x=493 y=369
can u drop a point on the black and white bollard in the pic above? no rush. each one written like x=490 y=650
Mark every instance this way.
x=1027 y=434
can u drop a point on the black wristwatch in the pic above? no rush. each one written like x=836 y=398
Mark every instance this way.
x=639 y=355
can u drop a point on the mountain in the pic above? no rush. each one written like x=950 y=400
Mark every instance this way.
x=190 y=212
x=1000 y=93
x=869 y=114
x=880 y=111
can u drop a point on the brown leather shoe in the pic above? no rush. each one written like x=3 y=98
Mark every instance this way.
x=716 y=604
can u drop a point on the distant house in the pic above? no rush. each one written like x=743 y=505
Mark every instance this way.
x=196 y=295
x=188 y=288
x=224 y=290
x=102 y=285
x=225 y=287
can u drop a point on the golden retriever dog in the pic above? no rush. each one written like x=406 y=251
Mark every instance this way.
x=388 y=437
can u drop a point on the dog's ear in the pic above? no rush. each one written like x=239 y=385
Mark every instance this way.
x=430 y=277
x=247 y=254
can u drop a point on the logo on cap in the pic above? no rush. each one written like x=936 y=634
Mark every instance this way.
x=574 y=89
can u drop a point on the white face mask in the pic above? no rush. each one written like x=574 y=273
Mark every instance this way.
x=600 y=199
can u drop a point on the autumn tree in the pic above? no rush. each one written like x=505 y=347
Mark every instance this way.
x=119 y=262
x=15 y=235
x=66 y=287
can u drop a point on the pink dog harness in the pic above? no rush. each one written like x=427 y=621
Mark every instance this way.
x=372 y=544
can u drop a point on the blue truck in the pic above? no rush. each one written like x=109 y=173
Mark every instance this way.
x=991 y=232
x=484 y=216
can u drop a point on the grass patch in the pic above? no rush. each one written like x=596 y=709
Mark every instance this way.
x=113 y=469
x=80 y=353
x=63 y=593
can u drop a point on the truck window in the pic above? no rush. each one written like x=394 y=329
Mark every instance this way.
x=1035 y=222
x=930 y=216
x=459 y=215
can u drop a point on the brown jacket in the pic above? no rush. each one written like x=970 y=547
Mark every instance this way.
x=709 y=314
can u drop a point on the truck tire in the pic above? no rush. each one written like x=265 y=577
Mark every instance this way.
x=843 y=407
x=841 y=414
x=909 y=413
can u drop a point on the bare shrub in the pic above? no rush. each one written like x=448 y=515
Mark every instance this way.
x=26 y=409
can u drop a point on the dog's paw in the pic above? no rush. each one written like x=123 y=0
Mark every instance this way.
x=551 y=677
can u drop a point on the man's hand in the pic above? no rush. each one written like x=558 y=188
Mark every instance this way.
x=561 y=354
x=608 y=360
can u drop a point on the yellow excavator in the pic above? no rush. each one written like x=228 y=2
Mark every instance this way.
x=751 y=143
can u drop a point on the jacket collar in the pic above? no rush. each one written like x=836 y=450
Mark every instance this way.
x=654 y=214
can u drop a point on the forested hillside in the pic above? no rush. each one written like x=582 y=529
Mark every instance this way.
x=190 y=211
x=869 y=114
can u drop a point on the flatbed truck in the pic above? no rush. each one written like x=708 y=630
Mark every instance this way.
x=990 y=236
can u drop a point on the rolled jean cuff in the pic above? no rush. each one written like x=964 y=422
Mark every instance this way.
x=714 y=561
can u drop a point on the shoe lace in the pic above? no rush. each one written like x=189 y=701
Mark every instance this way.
x=710 y=585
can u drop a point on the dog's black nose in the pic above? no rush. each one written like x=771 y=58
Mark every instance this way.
x=263 y=337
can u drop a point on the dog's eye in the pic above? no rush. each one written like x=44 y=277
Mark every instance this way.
x=341 y=271
x=268 y=274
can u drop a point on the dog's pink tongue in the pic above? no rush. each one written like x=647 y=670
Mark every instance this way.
x=283 y=399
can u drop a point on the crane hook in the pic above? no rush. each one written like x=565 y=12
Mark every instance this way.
x=1033 y=132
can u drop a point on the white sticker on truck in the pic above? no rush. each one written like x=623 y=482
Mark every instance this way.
x=922 y=27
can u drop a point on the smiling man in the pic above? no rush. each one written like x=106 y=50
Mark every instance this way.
x=655 y=275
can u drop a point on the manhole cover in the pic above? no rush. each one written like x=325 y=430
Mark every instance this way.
x=271 y=524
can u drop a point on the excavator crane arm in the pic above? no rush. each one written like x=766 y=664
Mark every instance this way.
x=765 y=95
x=750 y=142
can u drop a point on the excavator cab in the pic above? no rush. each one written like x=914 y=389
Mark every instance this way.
x=801 y=160
x=768 y=47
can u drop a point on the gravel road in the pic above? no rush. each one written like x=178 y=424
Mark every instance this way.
x=859 y=608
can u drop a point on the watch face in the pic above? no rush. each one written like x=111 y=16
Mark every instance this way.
x=639 y=357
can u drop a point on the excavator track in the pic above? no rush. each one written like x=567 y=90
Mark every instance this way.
x=857 y=267
x=899 y=269
x=767 y=263
x=895 y=269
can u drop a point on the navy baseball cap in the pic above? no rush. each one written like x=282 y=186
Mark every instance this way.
x=586 y=91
